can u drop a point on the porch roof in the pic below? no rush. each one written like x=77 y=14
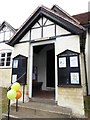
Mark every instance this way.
x=67 y=22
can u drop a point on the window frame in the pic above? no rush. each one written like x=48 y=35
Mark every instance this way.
x=6 y=57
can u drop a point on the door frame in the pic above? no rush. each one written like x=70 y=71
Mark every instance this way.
x=31 y=65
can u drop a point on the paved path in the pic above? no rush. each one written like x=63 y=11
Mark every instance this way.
x=24 y=114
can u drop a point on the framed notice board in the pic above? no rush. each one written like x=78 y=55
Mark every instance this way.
x=19 y=69
x=68 y=68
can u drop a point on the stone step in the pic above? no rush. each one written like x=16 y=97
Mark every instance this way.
x=41 y=110
x=45 y=101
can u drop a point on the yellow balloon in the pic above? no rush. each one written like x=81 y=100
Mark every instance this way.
x=11 y=94
x=15 y=86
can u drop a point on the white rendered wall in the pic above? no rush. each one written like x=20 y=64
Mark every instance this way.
x=61 y=31
x=5 y=73
x=87 y=53
x=26 y=37
x=68 y=42
x=22 y=49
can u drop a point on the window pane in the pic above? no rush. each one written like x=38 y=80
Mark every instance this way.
x=8 y=59
x=8 y=54
x=8 y=63
x=2 y=62
x=3 y=59
x=3 y=55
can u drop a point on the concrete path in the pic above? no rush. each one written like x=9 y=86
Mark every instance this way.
x=39 y=110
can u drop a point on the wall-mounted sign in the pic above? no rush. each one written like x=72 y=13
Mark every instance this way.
x=19 y=69
x=74 y=78
x=74 y=61
x=62 y=62
x=68 y=68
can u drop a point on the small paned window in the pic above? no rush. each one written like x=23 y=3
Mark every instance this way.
x=5 y=59
x=68 y=68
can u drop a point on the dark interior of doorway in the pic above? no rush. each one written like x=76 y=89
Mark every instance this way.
x=50 y=74
x=50 y=68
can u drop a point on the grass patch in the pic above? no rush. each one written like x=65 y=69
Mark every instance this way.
x=4 y=99
x=87 y=105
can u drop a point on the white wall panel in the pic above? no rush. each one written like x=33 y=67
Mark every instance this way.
x=49 y=22
x=35 y=33
x=4 y=46
x=36 y=25
x=49 y=31
x=68 y=42
x=26 y=37
x=7 y=35
x=61 y=31
x=21 y=49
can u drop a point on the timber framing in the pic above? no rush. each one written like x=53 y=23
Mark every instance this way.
x=50 y=14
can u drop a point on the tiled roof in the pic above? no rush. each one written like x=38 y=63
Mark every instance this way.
x=8 y=25
x=83 y=18
x=60 y=11
x=64 y=20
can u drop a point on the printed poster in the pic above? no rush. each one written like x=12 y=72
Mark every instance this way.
x=14 y=78
x=74 y=61
x=62 y=62
x=15 y=64
x=74 y=78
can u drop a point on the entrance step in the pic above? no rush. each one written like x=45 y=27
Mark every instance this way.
x=45 y=101
x=41 y=110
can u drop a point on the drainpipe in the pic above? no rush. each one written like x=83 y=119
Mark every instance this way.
x=83 y=39
x=85 y=73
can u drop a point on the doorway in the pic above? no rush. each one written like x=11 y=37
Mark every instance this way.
x=43 y=73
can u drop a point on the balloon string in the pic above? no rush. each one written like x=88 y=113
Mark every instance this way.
x=20 y=77
x=16 y=81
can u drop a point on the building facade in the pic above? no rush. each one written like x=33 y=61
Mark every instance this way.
x=6 y=32
x=49 y=54
x=84 y=19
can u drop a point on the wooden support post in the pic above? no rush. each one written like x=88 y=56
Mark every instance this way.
x=8 y=109
x=23 y=92
x=16 y=105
